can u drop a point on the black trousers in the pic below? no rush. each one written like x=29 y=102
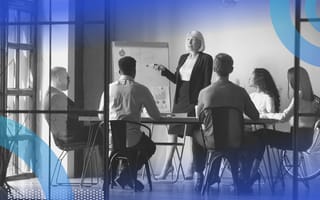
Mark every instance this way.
x=137 y=155
x=199 y=157
x=283 y=140
x=141 y=152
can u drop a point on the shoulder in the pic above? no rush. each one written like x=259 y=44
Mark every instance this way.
x=205 y=55
x=236 y=87
x=263 y=97
x=242 y=90
x=184 y=56
x=59 y=99
x=140 y=87
x=207 y=89
x=113 y=84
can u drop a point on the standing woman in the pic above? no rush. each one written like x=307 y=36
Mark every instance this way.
x=192 y=74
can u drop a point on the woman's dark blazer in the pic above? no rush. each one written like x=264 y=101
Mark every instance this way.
x=200 y=76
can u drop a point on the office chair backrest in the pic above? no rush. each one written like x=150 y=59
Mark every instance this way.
x=58 y=142
x=118 y=131
x=223 y=127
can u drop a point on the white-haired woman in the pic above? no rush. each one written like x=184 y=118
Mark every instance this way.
x=193 y=73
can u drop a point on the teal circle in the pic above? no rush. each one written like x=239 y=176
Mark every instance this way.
x=311 y=12
x=285 y=29
x=9 y=130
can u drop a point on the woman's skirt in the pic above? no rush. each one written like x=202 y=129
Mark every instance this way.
x=182 y=106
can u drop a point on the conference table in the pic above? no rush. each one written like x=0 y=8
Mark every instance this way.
x=174 y=118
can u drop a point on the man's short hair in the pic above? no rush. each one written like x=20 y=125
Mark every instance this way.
x=223 y=64
x=56 y=72
x=127 y=65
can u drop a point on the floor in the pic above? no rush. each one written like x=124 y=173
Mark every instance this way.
x=30 y=189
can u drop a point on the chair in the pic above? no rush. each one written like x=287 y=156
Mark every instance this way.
x=119 y=150
x=308 y=159
x=222 y=134
x=73 y=146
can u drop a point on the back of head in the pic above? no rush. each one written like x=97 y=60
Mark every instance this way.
x=127 y=66
x=223 y=64
x=304 y=83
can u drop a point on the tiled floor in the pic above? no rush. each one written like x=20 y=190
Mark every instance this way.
x=30 y=189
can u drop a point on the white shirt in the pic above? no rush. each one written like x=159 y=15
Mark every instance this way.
x=126 y=100
x=263 y=102
x=287 y=114
x=187 y=67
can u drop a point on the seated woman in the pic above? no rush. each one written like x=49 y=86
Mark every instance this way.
x=283 y=140
x=266 y=98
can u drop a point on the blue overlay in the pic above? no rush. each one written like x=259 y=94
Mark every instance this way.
x=11 y=130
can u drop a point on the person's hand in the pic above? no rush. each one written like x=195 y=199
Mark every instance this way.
x=159 y=67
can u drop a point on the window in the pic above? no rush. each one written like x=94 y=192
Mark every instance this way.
x=19 y=68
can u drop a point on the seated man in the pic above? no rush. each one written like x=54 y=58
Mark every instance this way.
x=220 y=93
x=126 y=100
x=65 y=127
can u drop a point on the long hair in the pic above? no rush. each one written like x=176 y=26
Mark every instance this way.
x=264 y=81
x=304 y=83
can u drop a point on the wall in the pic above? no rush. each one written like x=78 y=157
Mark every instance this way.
x=244 y=30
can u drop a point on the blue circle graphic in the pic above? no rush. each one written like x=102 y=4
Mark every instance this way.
x=285 y=29
x=311 y=12
x=10 y=129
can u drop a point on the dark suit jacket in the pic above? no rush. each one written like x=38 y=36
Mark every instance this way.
x=64 y=127
x=200 y=76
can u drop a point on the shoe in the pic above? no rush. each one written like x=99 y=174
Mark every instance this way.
x=165 y=173
x=123 y=178
x=189 y=176
x=121 y=182
x=139 y=185
x=189 y=173
x=198 y=181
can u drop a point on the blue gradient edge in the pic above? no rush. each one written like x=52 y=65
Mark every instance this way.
x=7 y=127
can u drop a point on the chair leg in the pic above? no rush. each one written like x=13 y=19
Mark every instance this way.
x=148 y=175
x=234 y=164
x=59 y=161
x=86 y=165
x=63 y=155
x=132 y=174
x=207 y=172
x=111 y=170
